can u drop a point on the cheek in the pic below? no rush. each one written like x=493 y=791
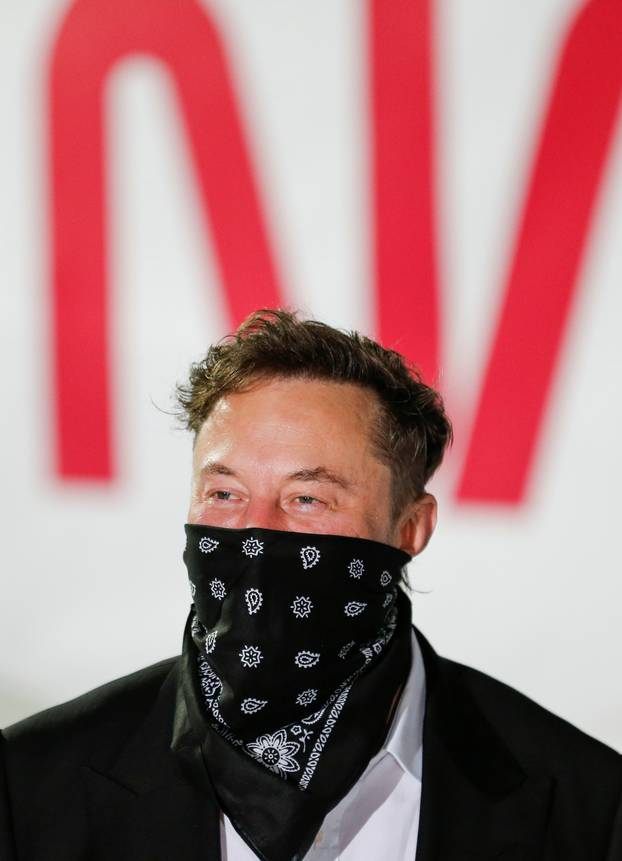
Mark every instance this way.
x=378 y=522
x=354 y=524
x=196 y=511
x=204 y=515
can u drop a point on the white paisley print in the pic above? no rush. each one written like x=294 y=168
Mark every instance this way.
x=250 y=705
x=217 y=588
x=310 y=556
x=252 y=547
x=254 y=600
x=210 y=642
x=207 y=545
x=305 y=659
x=354 y=608
x=210 y=683
x=301 y=606
x=356 y=568
x=275 y=752
x=306 y=697
x=343 y=651
x=251 y=656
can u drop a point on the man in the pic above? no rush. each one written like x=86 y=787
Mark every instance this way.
x=305 y=718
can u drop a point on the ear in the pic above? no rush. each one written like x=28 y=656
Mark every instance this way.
x=416 y=525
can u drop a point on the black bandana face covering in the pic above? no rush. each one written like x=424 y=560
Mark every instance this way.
x=301 y=642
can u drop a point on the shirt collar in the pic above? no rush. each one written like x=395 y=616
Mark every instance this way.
x=404 y=741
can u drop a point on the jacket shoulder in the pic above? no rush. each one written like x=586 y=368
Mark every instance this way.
x=54 y=761
x=538 y=737
x=104 y=714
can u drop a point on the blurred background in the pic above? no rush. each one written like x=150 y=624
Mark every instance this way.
x=445 y=175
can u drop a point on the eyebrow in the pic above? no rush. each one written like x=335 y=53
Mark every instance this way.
x=319 y=473
x=322 y=474
x=213 y=467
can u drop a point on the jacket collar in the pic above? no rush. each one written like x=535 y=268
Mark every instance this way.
x=477 y=801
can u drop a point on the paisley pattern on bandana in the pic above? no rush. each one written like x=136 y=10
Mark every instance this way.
x=206 y=545
x=251 y=656
x=249 y=706
x=280 y=617
x=356 y=568
x=217 y=588
x=254 y=600
x=310 y=556
x=275 y=752
x=305 y=698
x=306 y=659
x=252 y=547
x=293 y=757
x=301 y=607
x=353 y=608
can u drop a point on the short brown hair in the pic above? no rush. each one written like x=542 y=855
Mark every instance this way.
x=412 y=431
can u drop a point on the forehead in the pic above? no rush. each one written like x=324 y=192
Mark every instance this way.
x=292 y=418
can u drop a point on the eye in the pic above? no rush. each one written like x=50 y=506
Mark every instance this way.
x=221 y=496
x=307 y=500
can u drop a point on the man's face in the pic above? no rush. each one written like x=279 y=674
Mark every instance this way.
x=294 y=455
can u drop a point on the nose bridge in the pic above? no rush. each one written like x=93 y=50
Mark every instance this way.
x=263 y=512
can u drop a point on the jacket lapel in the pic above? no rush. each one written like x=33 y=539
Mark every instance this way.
x=154 y=802
x=477 y=802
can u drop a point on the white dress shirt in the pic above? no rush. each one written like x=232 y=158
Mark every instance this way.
x=379 y=817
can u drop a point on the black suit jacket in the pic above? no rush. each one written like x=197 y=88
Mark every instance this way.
x=503 y=779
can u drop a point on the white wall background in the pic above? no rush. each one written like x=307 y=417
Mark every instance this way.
x=93 y=585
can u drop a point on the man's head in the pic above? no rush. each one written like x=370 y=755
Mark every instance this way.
x=302 y=427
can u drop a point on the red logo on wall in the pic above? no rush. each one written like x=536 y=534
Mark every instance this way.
x=542 y=274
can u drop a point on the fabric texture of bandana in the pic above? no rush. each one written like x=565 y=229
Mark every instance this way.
x=300 y=644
